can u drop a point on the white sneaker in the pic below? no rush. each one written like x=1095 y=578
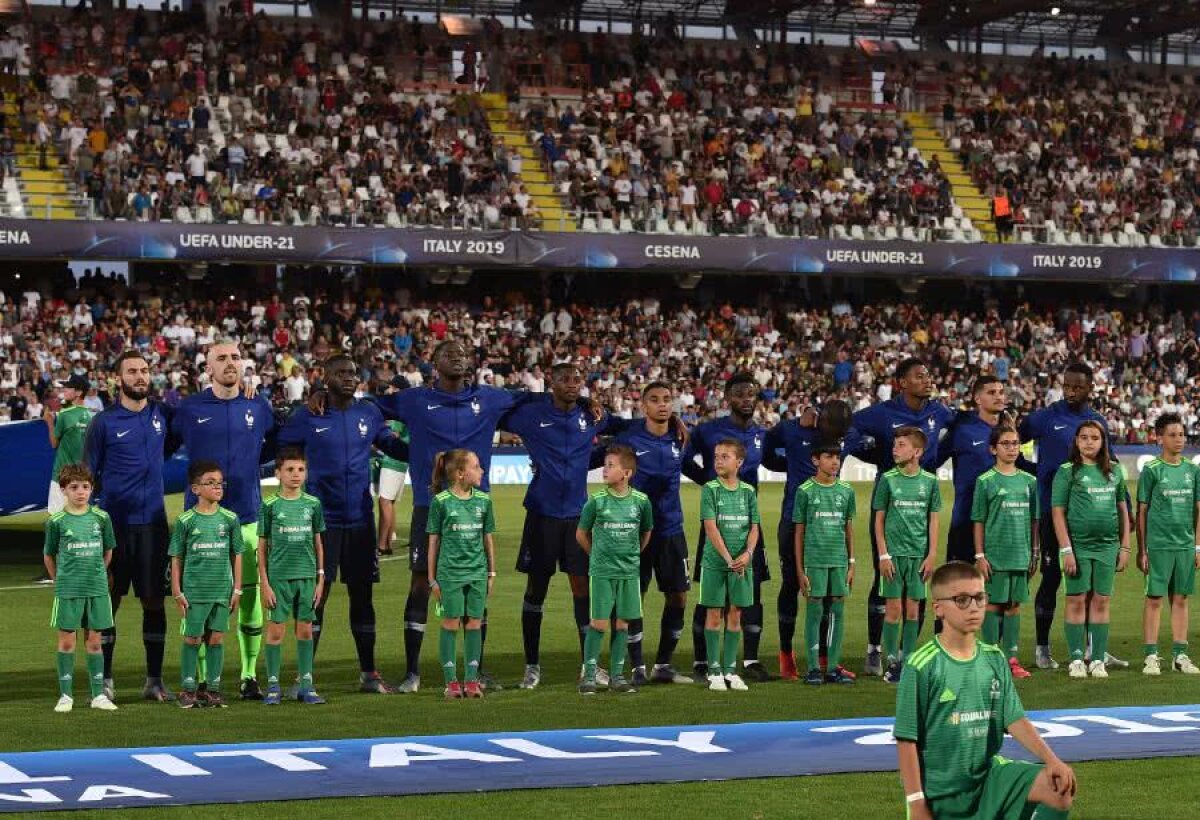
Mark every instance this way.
x=102 y=703
x=1044 y=659
x=602 y=676
x=1078 y=669
x=110 y=690
x=1113 y=662
x=1184 y=664
x=1097 y=670
x=716 y=683
x=736 y=683
x=65 y=704
x=1151 y=666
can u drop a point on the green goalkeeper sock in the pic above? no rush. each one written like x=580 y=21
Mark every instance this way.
x=891 y=640
x=448 y=654
x=274 y=653
x=729 y=651
x=65 y=663
x=1099 y=636
x=1178 y=648
x=250 y=630
x=1075 y=640
x=95 y=669
x=189 y=660
x=712 y=647
x=620 y=643
x=1012 y=633
x=216 y=662
x=202 y=661
x=812 y=632
x=474 y=651
x=912 y=633
x=991 y=628
x=305 y=650
x=837 y=628
x=591 y=652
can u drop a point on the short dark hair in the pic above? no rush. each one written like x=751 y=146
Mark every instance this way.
x=826 y=448
x=907 y=365
x=1166 y=420
x=74 y=472
x=1080 y=368
x=624 y=454
x=733 y=444
x=983 y=381
x=562 y=367
x=953 y=571
x=126 y=356
x=915 y=433
x=655 y=385
x=998 y=431
x=339 y=357
x=286 y=454
x=740 y=378
x=196 y=469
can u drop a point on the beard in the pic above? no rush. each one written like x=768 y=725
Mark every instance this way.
x=134 y=393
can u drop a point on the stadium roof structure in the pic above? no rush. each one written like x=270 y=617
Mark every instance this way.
x=1062 y=23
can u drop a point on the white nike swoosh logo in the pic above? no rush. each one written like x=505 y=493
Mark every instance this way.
x=322 y=429
x=1060 y=427
x=545 y=424
x=894 y=426
x=432 y=406
x=977 y=443
x=123 y=433
x=201 y=421
x=642 y=452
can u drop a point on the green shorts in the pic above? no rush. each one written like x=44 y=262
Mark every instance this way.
x=719 y=587
x=1008 y=586
x=204 y=617
x=829 y=581
x=906 y=583
x=1003 y=795
x=1172 y=572
x=1096 y=574
x=463 y=599
x=293 y=599
x=615 y=597
x=250 y=554
x=70 y=614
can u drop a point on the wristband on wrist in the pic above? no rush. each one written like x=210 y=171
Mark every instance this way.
x=237 y=592
x=320 y=572
x=1065 y=550
x=491 y=575
x=433 y=583
x=915 y=797
x=1198 y=548
x=884 y=557
x=979 y=555
x=851 y=560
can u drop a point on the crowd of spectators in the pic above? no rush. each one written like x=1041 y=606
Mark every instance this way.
x=1085 y=152
x=801 y=349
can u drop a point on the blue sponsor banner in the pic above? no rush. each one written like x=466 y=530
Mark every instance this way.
x=47 y=239
x=25 y=443
x=178 y=775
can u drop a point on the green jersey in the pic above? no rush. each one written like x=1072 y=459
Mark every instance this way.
x=207 y=545
x=78 y=544
x=617 y=523
x=70 y=426
x=1170 y=493
x=460 y=524
x=1007 y=506
x=734 y=511
x=289 y=525
x=906 y=501
x=956 y=712
x=824 y=510
x=389 y=463
x=1091 y=502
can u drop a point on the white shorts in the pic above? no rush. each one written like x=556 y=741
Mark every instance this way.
x=57 y=500
x=391 y=483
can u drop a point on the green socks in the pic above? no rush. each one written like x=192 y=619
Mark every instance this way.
x=474 y=641
x=891 y=640
x=712 y=646
x=250 y=630
x=620 y=642
x=187 y=665
x=202 y=661
x=591 y=652
x=1012 y=633
x=912 y=632
x=812 y=632
x=448 y=654
x=730 y=651
x=274 y=653
x=216 y=660
x=95 y=670
x=65 y=663
x=1099 y=636
x=837 y=626
x=1075 y=640
x=991 y=628
x=1177 y=648
x=304 y=663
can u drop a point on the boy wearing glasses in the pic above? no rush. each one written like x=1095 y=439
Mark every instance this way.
x=955 y=702
x=1005 y=515
x=206 y=558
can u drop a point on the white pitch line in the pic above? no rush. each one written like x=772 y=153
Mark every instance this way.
x=27 y=586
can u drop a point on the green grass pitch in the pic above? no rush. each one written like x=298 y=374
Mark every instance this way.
x=1108 y=790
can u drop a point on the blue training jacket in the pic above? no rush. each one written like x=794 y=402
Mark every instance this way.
x=125 y=452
